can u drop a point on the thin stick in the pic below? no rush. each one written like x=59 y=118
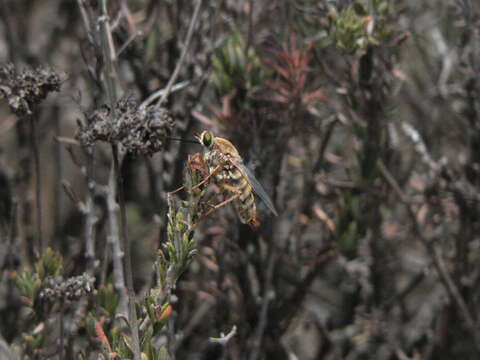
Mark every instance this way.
x=267 y=297
x=132 y=316
x=439 y=265
x=62 y=330
x=108 y=54
x=58 y=180
x=159 y=93
x=110 y=77
x=128 y=42
x=250 y=27
x=114 y=241
x=180 y=62
x=36 y=163
x=224 y=338
x=90 y=216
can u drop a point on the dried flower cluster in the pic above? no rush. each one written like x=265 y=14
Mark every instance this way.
x=25 y=89
x=141 y=131
x=68 y=290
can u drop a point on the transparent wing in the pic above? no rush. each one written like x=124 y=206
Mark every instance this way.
x=257 y=187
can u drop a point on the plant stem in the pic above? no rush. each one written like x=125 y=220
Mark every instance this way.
x=114 y=242
x=109 y=56
x=62 y=330
x=132 y=315
x=36 y=164
x=90 y=216
x=58 y=182
x=267 y=297
x=180 y=62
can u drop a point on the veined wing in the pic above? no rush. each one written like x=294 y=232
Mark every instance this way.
x=257 y=187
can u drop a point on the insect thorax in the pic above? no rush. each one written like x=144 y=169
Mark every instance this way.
x=228 y=172
x=231 y=175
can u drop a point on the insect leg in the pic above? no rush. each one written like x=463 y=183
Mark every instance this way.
x=230 y=188
x=223 y=203
x=213 y=173
x=218 y=206
x=176 y=190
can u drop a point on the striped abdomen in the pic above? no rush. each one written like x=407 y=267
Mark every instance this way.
x=245 y=203
x=232 y=181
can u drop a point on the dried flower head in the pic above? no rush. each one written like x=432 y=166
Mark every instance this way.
x=67 y=290
x=140 y=130
x=25 y=89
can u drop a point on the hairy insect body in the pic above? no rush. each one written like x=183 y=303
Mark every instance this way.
x=231 y=180
x=230 y=174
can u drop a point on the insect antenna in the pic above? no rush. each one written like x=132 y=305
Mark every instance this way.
x=184 y=140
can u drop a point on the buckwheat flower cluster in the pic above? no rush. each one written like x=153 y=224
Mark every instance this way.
x=139 y=130
x=67 y=290
x=24 y=89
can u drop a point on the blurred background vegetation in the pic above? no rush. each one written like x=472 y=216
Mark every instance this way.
x=360 y=118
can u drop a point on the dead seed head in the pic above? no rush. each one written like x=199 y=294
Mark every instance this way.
x=141 y=131
x=68 y=290
x=24 y=89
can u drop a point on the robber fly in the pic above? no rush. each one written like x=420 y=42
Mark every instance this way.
x=230 y=174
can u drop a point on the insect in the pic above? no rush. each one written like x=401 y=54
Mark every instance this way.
x=230 y=174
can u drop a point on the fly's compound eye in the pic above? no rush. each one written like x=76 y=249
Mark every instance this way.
x=207 y=139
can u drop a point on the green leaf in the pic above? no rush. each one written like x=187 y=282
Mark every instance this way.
x=108 y=298
x=29 y=285
x=360 y=9
x=151 y=46
x=50 y=264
